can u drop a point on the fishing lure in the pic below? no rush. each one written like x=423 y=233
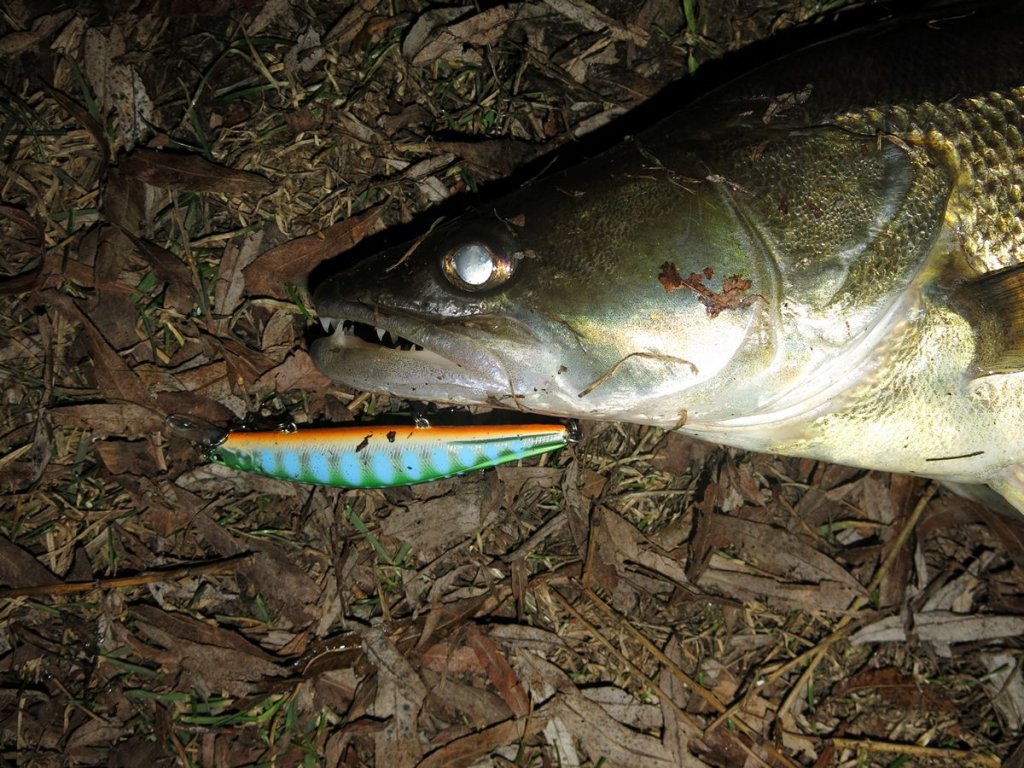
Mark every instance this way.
x=373 y=456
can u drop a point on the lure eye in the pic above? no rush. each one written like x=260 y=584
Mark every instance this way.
x=476 y=266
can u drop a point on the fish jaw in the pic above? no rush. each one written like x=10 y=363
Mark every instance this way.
x=441 y=360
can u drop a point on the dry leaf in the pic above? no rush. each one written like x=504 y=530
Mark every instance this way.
x=288 y=587
x=290 y=262
x=943 y=629
x=111 y=419
x=432 y=525
x=499 y=672
x=124 y=457
x=114 y=377
x=213 y=659
x=595 y=730
x=230 y=285
x=191 y=173
x=18 y=568
x=1005 y=684
x=400 y=697
x=14 y=43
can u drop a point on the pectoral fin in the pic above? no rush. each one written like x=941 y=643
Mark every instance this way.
x=995 y=305
x=1009 y=483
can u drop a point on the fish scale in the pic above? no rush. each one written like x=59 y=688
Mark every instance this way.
x=378 y=457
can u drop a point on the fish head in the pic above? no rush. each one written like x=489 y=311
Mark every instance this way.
x=598 y=293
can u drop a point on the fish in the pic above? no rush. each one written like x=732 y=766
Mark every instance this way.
x=371 y=455
x=823 y=258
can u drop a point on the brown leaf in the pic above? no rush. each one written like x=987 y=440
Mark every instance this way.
x=43 y=27
x=106 y=419
x=245 y=365
x=18 y=568
x=798 y=570
x=447 y=659
x=436 y=35
x=499 y=672
x=127 y=202
x=620 y=544
x=169 y=270
x=352 y=24
x=114 y=377
x=297 y=371
x=596 y=731
x=287 y=587
x=897 y=689
x=191 y=173
x=290 y=262
x=230 y=285
x=214 y=659
x=193 y=404
x=433 y=524
x=452 y=701
x=496 y=158
x=124 y=457
x=81 y=114
x=400 y=697
x=467 y=750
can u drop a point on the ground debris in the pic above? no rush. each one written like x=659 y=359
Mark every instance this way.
x=172 y=173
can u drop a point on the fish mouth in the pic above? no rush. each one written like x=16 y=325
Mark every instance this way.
x=374 y=347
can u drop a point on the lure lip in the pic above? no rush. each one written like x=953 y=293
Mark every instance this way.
x=196 y=430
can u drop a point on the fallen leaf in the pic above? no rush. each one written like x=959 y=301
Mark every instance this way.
x=431 y=526
x=898 y=689
x=498 y=671
x=290 y=262
x=191 y=173
x=470 y=749
x=113 y=375
x=230 y=285
x=590 y=18
x=288 y=587
x=18 y=568
x=462 y=704
x=1005 y=684
x=297 y=371
x=591 y=726
x=212 y=658
x=943 y=629
x=128 y=457
x=111 y=419
x=14 y=43
x=400 y=697
x=770 y=563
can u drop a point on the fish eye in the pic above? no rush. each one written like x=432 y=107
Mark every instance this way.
x=476 y=266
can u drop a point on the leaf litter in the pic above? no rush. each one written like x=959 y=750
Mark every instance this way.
x=171 y=174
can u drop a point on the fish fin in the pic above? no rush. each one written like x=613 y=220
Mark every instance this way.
x=995 y=302
x=1009 y=483
x=986 y=495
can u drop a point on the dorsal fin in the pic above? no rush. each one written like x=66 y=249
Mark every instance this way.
x=995 y=302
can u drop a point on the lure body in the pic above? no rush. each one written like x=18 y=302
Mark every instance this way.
x=383 y=456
